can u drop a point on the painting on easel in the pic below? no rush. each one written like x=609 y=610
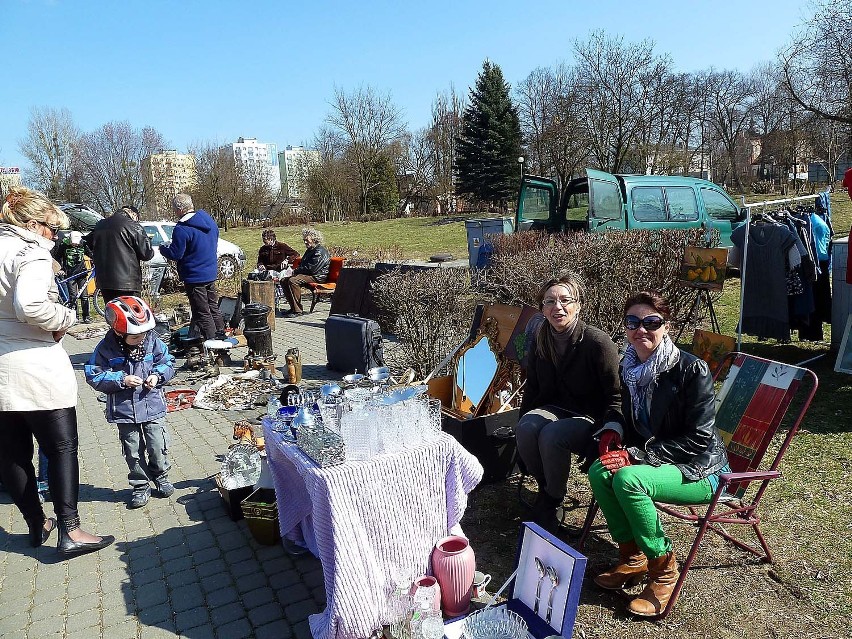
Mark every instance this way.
x=712 y=347
x=704 y=268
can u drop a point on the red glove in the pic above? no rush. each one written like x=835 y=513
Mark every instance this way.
x=610 y=440
x=615 y=460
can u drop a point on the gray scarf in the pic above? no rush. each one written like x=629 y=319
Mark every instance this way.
x=641 y=377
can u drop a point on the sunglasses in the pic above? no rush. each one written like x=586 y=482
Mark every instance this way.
x=649 y=323
x=52 y=227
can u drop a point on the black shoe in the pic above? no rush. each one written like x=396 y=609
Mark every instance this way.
x=68 y=547
x=38 y=533
x=294 y=313
x=87 y=320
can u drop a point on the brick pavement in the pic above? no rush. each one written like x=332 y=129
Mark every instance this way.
x=179 y=567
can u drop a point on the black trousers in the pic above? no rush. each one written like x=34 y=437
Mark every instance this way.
x=110 y=294
x=56 y=432
x=74 y=287
x=206 y=319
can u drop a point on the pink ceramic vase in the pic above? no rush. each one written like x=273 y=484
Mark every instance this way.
x=453 y=564
x=428 y=585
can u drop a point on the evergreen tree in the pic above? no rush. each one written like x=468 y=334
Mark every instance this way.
x=490 y=141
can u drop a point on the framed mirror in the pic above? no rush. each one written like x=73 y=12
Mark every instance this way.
x=474 y=372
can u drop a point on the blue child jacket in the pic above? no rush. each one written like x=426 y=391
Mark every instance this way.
x=107 y=367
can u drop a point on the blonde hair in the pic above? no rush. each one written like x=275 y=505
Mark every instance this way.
x=312 y=233
x=22 y=205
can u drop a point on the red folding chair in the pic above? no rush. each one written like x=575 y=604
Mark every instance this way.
x=750 y=406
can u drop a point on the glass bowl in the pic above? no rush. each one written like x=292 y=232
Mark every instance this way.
x=495 y=623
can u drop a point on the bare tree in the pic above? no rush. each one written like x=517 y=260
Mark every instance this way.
x=817 y=64
x=447 y=109
x=416 y=169
x=731 y=101
x=328 y=186
x=827 y=140
x=550 y=112
x=50 y=148
x=369 y=123
x=111 y=161
x=217 y=183
x=613 y=94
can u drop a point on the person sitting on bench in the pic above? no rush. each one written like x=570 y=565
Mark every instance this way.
x=273 y=255
x=314 y=267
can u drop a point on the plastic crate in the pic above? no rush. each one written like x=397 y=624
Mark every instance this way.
x=261 y=514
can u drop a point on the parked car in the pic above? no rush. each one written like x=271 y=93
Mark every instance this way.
x=231 y=257
x=82 y=218
x=602 y=201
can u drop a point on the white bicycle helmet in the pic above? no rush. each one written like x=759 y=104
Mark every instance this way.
x=129 y=315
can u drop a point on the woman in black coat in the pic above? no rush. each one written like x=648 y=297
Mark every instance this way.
x=572 y=390
x=667 y=449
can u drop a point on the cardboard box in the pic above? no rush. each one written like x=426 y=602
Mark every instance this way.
x=520 y=590
x=489 y=438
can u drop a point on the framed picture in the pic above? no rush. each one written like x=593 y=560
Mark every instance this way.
x=704 y=267
x=712 y=347
x=844 y=355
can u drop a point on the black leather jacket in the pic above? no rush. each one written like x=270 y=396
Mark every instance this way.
x=118 y=244
x=315 y=262
x=682 y=420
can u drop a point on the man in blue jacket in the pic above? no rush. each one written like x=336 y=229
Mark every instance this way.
x=194 y=247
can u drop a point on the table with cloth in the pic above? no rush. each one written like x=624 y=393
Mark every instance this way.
x=369 y=521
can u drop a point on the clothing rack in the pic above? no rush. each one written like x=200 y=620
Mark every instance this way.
x=748 y=208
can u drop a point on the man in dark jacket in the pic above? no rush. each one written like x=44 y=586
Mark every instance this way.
x=273 y=253
x=313 y=267
x=194 y=247
x=118 y=244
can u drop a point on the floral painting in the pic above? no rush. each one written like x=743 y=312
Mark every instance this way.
x=712 y=347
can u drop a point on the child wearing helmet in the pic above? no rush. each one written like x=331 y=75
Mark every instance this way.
x=130 y=365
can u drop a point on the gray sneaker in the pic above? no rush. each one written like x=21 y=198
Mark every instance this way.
x=139 y=498
x=164 y=488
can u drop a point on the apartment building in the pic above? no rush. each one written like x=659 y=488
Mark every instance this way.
x=164 y=175
x=9 y=176
x=293 y=163
x=259 y=156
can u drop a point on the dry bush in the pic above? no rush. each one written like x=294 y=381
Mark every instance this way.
x=430 y=312
x=612 y=266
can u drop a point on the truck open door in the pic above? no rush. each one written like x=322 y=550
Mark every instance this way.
x=606 y=204
x=537 y=201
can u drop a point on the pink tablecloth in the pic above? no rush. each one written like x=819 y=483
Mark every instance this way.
x=369 y=520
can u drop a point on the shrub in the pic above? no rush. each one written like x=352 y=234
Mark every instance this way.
x=612 y=266
x=430 y=311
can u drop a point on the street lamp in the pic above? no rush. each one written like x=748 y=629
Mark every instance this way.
x=521 y=162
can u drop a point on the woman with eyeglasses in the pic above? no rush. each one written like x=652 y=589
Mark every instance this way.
x=666 y=449
x=38 y=387
x=572 y=390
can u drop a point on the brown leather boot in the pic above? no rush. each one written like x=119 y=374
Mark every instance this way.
x=631 y=568
x=662 y=575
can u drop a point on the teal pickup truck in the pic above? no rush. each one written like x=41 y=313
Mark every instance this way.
x=602 y=201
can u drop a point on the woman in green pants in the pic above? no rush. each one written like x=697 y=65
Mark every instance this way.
x=666 y=450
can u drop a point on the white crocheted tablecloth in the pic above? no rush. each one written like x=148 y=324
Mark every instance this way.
x=368 y=521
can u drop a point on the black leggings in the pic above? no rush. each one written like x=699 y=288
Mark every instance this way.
x=56 y=432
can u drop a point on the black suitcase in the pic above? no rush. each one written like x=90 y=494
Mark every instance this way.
x=353 y=344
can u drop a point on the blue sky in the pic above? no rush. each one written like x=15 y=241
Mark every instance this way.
x=213 y=70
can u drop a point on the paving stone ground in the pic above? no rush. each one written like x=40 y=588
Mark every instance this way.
x=180 y=567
